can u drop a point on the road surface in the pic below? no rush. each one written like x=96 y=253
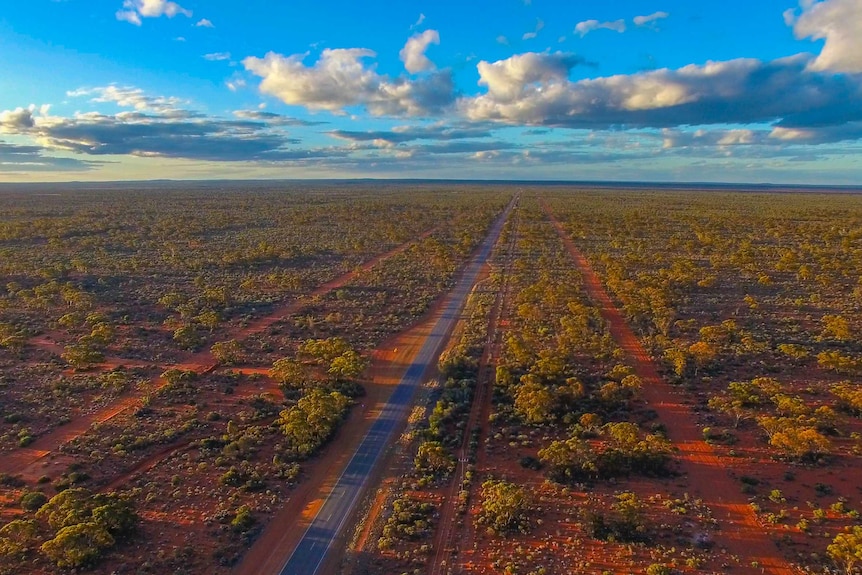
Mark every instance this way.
x=337 y=509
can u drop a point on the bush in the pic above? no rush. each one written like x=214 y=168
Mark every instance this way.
x=432 y=458
x=78 y=545
x=33 y=500
x=505 y=507
x=243 y=520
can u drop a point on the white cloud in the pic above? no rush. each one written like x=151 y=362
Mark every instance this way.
x=129 y=16
x=204 y=23
x=508 y=79
x=149 y=132
x=235 y=84
x=587 y=26
x=413 y=53
x=530 y=35
x=533 y=89
x=217 y=56
x=134 y=10
x=839 y=22
x=711 y=138
x=17 y=120
x=128 y=97
x=418 y=21
x=650 y=19
x=341 y=79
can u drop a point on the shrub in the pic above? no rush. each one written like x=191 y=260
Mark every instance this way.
x=505 y=507
x=33 y=500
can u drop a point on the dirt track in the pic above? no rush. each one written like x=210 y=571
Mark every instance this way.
x=480 y=410
x=707 y=470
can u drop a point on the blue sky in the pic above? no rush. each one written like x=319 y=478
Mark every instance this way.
x=656 y=90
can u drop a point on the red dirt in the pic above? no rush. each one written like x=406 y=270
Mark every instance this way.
x=30 y=462
x=708 y=471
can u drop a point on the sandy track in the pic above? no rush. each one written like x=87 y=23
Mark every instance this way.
x=449 y=531
x=29 y=462
x=707 y=470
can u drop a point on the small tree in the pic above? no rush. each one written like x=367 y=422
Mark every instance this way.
x=432 y=457
x=82 y=355
x=290 y=373
x=534 y=402
x=703 y=354
x=227 y=352
x=505 y=507
x=837 y=327
x=187 y=337
x=308 y=424
x=348 y=365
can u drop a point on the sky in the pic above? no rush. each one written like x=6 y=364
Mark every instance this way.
x=755 y=91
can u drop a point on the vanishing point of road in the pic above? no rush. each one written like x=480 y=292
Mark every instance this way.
x=336 y=510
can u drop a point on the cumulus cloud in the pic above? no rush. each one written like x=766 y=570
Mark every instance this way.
x=650 y=19
x=204 y=23
x=413 y=53
x=736 y=91
x=587 y=26
x=672 y=138
x=839 y=23
x=418 y=21
x=340 y=79
x=819 y=135
x=134 y=10
x=17 y=120
x=508 y=79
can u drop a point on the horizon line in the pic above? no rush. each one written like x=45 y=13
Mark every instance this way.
x=486 y=181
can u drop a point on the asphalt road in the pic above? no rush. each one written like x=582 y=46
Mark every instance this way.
x=336 y=510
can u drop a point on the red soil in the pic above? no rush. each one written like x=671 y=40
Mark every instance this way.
x=707 y=470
